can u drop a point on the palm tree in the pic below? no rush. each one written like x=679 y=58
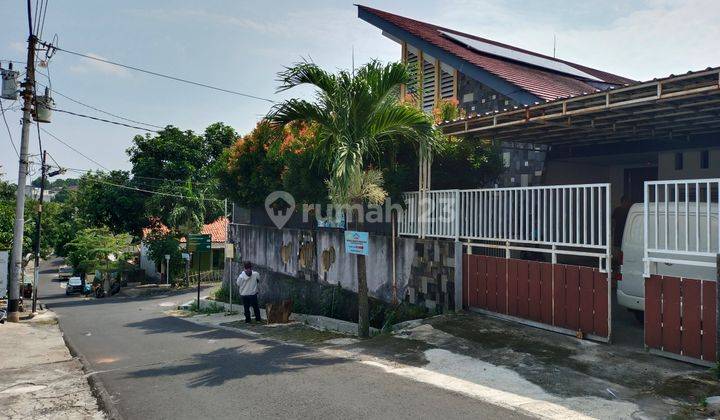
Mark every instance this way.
x=356 y=113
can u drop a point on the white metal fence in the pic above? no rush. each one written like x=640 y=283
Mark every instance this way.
x=568 y=216
x=680 y=222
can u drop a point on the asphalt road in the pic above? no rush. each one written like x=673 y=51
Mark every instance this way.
x=158 y=366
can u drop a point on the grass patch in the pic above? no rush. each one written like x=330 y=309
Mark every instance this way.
x=211 y=308
x=294 y=332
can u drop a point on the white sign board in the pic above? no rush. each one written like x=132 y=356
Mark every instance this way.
x=167 y=257
x=185 y=256
x=357 y=242
x=4 y=258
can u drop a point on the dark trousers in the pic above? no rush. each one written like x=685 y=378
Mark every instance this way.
x=248 y=301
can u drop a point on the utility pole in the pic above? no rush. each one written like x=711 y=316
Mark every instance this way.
x=16 y=274
x=38 y=228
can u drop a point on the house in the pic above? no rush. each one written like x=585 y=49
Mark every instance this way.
x=215 y=260
x=575 y=141
x=486 y=77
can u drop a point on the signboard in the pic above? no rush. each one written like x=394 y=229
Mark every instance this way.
x=167 y=257
x=4 y=257
x=185 y=256
x=198 y=243
x=357 y=242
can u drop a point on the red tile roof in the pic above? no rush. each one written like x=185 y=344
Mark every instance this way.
x=217 y=230
x=542 y=83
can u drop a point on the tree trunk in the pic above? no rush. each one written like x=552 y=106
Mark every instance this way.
x=363 y=304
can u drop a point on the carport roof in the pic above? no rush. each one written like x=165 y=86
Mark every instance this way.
x=672 y=107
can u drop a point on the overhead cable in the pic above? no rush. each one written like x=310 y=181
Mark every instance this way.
x=166 y=76
x=104 y=120
x=53 y=90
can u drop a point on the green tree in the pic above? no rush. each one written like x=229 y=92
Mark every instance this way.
x=251 y=168
x=161 y=243
x=102 y=200
x=96 y=248
x=218 y=137
x=468 y=162
x=7 y=191
x=356 y=114
x=184 y=208
x=180 y=165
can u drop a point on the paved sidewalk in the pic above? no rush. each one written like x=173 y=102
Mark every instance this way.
x=40 y=379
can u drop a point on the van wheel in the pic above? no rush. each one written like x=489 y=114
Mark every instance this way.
x=639 y=315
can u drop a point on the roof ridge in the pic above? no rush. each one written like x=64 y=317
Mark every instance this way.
x=592 y=71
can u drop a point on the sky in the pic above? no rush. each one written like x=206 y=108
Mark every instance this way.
x=242 y=45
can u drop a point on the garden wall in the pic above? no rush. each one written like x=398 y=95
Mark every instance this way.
x=293 y=260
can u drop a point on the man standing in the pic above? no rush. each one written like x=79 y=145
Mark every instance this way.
x=247 y=283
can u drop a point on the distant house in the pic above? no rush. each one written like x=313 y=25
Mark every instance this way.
x=215 y=260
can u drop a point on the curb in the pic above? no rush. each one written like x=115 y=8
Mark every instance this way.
x=97 y=388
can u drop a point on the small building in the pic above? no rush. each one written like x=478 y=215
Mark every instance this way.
x=214 y=261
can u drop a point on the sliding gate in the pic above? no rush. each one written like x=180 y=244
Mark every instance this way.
x=536 y=255
x=681 y=231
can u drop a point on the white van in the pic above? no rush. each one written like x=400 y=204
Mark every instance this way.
x=631 y=288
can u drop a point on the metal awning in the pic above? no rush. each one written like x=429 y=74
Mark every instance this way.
x=673 y=107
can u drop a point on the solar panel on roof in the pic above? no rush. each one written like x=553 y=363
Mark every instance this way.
x=546 y=63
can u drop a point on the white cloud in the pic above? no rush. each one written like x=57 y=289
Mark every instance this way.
x=87 y=65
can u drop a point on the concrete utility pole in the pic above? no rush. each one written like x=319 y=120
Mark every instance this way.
x=17 y=252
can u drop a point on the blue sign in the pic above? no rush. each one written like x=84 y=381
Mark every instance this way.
x=357 y=242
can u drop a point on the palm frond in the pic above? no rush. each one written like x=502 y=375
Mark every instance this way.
x=306 y=73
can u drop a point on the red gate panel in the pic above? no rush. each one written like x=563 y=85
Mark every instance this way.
x=691 y=329
x=586 y=299
x=534 y=290
x=492 y=284
x=559 y=294
x=502 y=289
x=566 y=296
x=680 y=316
x=546 y=294
x=522 y=289
x=512 y=292
x=653 y=314
x=709 y=319
x=572 y=297
x=482 y=282
x=671 y=314
x=600 y=303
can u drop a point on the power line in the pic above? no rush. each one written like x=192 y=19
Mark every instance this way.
x=144 y=190
x=181 y=181
x=42 y=24
x=74 y=149
x=104 y=120
x=178 y=79
x=7 y=126
x=98 y=109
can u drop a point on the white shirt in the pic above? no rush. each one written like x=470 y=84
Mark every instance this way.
x=248 y=284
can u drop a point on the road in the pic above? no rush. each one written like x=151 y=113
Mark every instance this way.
x=159 y=366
